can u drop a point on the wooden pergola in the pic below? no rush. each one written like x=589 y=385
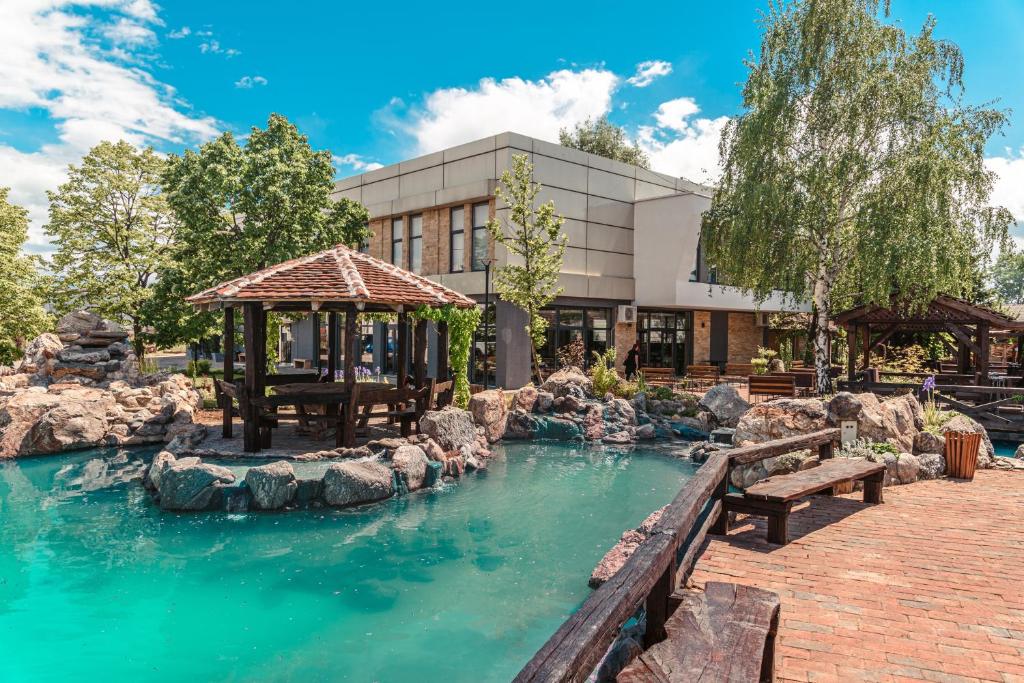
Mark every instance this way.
x=971 y=325
x=339 y=282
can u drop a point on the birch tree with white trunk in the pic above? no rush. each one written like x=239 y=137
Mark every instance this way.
x=855 y=171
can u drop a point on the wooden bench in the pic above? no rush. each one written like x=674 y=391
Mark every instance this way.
x=774 y=497
x=659 y=377
x=703 y=375
x=726 y=633
x=771 y=385
x=805 y=380
x=739 y=369
x=405 y=405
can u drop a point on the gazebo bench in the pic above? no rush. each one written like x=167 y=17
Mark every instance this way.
x=774 y=497
x=658 y=377
x=726 y=633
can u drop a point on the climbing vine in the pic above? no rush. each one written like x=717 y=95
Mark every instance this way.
x=462 y=323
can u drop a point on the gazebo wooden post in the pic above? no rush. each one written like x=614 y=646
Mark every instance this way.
x=332 y=345
x=442 y=351
x=984 y=344
x=402 y=349
x=867 y=346
x=963 y=361
x=351 y=345
x=316 y=342
x=255 y=373
x=419 y=353
x=229 y=369
x=851 y=351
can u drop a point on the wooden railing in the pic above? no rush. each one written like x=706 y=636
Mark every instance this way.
x=658 y=566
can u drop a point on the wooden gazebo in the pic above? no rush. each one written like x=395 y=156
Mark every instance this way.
x=971 y=325
x=338 y=281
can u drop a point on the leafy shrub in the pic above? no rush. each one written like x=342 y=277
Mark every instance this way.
x=8 y=353
x=759 y=365
x=882 y=447
x=602 y=373
x=662 y=393
x=199 y=367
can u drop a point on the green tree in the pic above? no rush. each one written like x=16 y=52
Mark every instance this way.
x=243 y=207
x=535 y=244
x=604 y=138
x=1008 y=276
x=113 y=231
x=21 y=303
x=856 y=170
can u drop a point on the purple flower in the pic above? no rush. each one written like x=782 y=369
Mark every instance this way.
x=929 y=384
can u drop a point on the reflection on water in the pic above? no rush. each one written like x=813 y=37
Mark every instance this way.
x=460 y=583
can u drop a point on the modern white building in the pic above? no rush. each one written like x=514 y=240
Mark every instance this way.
x=632 y=270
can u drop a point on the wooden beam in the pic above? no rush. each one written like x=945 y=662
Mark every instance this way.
x=851 y=351
x=985 y=346
x=882 y=338
x=866 y=341
x=402 y=349
x=963 y=337
x=419 y=353
x=352 y=344
x=316 y=342
x=229 y=370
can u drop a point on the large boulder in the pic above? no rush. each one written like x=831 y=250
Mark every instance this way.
x=410 y=463
x=161 y=461
x=41 y=349
x=526 y=398
x=908 y=414
x=490 y=412
x=962 y=423
x=878 y=423
x=927 y=442
x=352 y=483
x=780 y=418
x=70 y=425
x=273 y=485
x=188 y=485
x=621 y=551
x=450 y=427
x=933 y=465
x=568 y=382
x=725 y=404
x=844 y=406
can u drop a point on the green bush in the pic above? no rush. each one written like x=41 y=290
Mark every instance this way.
x=602 y=373
x=8 y=353
x=198 y=367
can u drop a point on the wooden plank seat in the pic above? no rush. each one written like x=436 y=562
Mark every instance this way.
x=703 y=375
x=404 y=405
x=739 y=369
x=774 y=497
x=658 y=377
x=725 y=633
x=805 y=380
x=772 y=385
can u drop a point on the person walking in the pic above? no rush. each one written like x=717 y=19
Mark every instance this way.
x=632 y=358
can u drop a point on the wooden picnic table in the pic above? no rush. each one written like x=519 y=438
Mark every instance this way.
x=320 y=396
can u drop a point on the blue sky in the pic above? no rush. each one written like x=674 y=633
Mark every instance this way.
x=380 y=82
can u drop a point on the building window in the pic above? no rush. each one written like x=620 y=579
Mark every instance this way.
x=458 y=242
x=567 y=324
x=484 y=358
x=663 y=337
x=416 y=243
x=481 y=252
x=364 y=245
x=397 y=232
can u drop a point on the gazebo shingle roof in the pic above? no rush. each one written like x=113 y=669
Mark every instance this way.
x=339 y=274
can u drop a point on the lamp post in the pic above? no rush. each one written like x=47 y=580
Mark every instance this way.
x=488 y=262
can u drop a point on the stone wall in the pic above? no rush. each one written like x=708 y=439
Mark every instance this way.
x=625 y=337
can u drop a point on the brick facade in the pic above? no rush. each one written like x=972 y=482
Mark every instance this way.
x=744 y=337
x=701 y=337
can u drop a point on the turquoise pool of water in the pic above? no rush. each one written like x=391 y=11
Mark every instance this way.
x=1005 y=448
x=463 y=583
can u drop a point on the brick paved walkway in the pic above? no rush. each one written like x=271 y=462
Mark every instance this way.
x=926 y=587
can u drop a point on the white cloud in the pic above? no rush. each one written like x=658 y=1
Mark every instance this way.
x=683 y=145
x=356 y=163
x=183 y=32
x=214 y=47
x=250 y=81
x=128 y=32
x=647 y=72
x=1009 y=187
x=539 y=108
x=49 y=61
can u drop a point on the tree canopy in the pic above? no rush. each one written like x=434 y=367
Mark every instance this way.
x=22 y=315
x=535 y=242
x=243 y=207
x=113 y=231
x=856 y=169
x=1008 y=276
x=604 y=138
